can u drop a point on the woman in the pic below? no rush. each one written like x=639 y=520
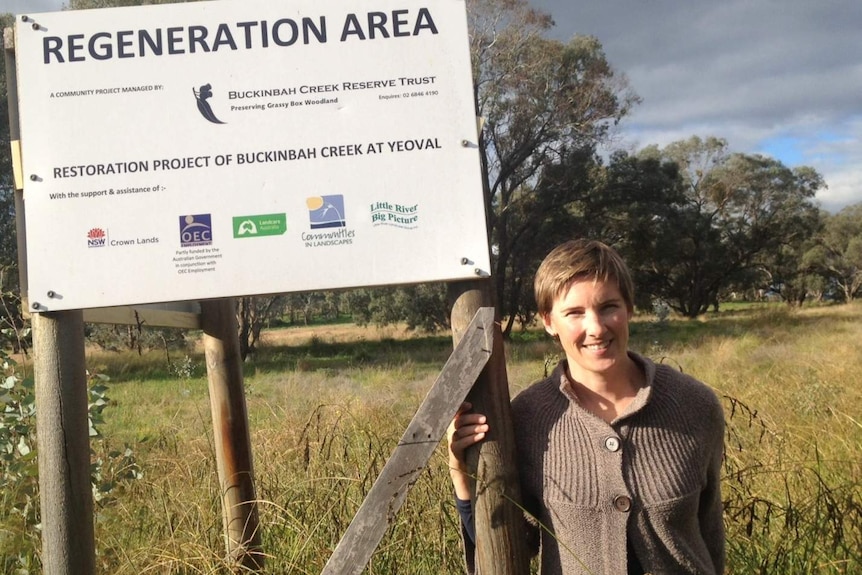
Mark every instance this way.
x=619 y=458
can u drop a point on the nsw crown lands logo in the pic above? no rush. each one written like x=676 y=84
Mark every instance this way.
x=196 y=230
x=203 y=94
x=96 y=238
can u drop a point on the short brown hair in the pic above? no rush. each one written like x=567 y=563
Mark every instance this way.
x=576 y=260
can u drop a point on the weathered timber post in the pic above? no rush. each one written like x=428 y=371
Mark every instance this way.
x=500 y=545
x=417 y=444
x=62 y=426
x=231 y=433
x=63 y=436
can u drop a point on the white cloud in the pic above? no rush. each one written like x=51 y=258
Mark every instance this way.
x=845 y=188
x=749 y=72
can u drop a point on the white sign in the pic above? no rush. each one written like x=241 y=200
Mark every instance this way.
x=213 y=149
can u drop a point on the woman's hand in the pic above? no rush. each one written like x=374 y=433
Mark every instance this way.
x=467 y=429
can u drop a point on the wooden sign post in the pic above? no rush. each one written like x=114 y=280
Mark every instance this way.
x=500 y=545
x=66 y=499
x=231 y=433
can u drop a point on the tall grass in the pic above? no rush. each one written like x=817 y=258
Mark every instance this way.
x=325 y=416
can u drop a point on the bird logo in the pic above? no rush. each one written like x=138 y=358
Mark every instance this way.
x=202 y=95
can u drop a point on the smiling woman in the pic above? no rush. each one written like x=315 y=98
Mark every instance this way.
x=619 y=458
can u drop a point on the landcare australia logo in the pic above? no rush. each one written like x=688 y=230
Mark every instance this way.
x=196 y=230
x=259 y=225
x=203 y=94
x=97 y=238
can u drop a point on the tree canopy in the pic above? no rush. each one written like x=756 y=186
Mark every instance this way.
x=735 y=211
x=544 y=104
x=838 y=253
x=693 y=219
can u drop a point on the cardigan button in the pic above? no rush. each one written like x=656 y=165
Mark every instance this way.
x=612 y=444
x=622 y=503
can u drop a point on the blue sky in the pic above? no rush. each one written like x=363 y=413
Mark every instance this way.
x=24 y=6
x=776 y=77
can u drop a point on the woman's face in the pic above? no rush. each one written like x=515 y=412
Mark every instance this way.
x=592 y=322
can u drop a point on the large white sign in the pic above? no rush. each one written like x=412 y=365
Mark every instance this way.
x=212 y=149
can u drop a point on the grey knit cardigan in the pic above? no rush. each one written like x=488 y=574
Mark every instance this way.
x=648 y=481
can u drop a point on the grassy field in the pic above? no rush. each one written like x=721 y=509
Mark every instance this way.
x=326 y=407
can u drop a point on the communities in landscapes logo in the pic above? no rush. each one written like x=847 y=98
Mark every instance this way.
x=326 y=211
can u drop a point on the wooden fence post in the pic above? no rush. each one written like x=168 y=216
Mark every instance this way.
x=231 y=433
x=500 y=545
x=63 y=435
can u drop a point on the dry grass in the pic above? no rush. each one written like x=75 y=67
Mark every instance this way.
x=326 y=406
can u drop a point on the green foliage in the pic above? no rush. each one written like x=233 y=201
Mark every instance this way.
x=252 y=314
x=544 y=102
x=736 y=214
x=838 y=253
x=137 y=338
x=18 y=470
x=423 y=306
x=19 y=485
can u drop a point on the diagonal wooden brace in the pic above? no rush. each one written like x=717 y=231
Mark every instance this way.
x=415 y=448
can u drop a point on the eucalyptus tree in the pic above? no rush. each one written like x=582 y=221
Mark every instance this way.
x=540 y=219
x=793 y=272
x=738 y=212
x=540 y=99
x=839 y=251
x=633 y=208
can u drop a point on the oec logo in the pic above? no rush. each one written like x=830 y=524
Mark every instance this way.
x=196 y=230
